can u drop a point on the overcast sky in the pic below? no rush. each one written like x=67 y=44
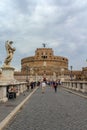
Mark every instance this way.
x=61 y=24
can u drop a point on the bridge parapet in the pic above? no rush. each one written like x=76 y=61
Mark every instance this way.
x=18 y=88
x=76 y=85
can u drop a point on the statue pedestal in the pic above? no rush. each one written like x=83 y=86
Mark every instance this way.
x=7 y=74
x=3 y=93
x=7 y=78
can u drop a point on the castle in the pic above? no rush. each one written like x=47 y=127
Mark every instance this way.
x=44 y=64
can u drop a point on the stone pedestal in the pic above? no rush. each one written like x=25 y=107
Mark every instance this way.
x=3 y=94
x=7 y=78
x=7 y=74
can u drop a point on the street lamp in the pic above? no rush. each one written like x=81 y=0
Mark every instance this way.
x=26 y=68
x=27 y=72
x=62 y=74
x=71 y=72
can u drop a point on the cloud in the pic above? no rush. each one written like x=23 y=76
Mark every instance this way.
x=59 y=23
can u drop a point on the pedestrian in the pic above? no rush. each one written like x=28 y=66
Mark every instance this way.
x=28 y=85
x=43 y=85
x=55 y=86
x=32 y=85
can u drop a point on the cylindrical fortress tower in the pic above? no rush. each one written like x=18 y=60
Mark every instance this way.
x=44 y=63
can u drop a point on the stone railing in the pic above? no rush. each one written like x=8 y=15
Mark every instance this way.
x=19 y=88
x=76 y=85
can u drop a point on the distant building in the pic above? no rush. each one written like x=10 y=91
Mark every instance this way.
x=84 y=74
x=44 y=64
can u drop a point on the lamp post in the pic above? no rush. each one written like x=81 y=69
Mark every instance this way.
x=62 y=74
x=35 y=73
x=71 y=72
x=27 y=72
x=26 y=68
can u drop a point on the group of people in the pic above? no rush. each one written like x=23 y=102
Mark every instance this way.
x=54 y=84
x=43 y=84
x=30 y=85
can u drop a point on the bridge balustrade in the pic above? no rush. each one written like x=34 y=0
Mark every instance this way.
x=18 y=88
x=76 y=85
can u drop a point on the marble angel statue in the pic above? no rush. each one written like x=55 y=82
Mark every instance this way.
x=10 y=51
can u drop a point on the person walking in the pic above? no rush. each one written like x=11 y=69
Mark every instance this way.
x=28 y=85
x=43 y=85
x=55 y=86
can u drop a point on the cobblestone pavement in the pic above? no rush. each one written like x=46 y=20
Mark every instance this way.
x=51 y=111
x=7 y=107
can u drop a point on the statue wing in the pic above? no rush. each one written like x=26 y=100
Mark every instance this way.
x=6 y=46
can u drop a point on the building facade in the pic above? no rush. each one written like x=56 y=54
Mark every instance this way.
x=44 y=64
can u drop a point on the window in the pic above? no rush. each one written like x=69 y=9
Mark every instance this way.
x=44 y=57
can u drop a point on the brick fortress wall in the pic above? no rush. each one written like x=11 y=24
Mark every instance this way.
x=44 y=62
